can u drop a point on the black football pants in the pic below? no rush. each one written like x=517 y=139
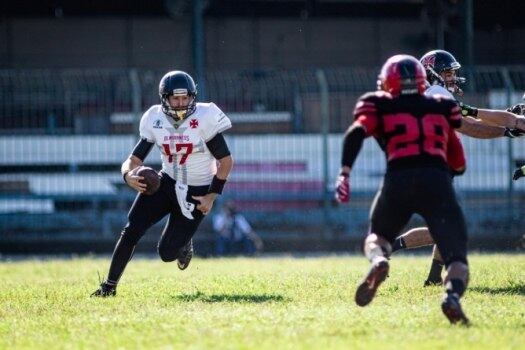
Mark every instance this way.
x=150 y=209
x=429 y=193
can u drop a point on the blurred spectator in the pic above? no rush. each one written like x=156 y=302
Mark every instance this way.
x=234 y=233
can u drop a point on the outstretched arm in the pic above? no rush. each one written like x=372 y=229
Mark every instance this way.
x=509 y=119
x=501 y=118
x=476 y=128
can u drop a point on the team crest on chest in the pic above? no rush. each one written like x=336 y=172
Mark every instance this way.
x=194 y=123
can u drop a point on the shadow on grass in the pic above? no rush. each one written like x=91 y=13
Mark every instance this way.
x=516 y=289
x=230 y=298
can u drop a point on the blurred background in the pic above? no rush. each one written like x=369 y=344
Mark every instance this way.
x=76 y=76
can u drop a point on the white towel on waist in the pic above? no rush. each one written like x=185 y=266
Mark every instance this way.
x=181 y=190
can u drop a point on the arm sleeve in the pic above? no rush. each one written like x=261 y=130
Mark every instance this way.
x=142 y=149
x=352 y=143
x=455 y=154
x=455 y=116
x=218 y=147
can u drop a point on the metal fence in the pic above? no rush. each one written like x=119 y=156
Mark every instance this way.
x=64 y=134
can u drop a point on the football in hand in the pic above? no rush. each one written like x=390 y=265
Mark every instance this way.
x=151 y=179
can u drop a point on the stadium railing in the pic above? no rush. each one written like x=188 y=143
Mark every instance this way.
x=63 y=135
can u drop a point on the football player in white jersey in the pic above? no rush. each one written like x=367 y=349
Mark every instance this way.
x=189 y=137
x=442 y=77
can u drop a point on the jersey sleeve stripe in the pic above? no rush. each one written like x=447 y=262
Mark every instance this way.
x=368 y=122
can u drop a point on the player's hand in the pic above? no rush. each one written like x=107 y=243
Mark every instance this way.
x=205 y=202
x=518 y=109
x=342 y=188
x=518 y=173
x=133 y=181
x=513 y=133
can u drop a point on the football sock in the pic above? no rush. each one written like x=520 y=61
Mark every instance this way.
x=376 y=254
x=436 y=268
x=399 y=244
x=122 y=254
x=455 y=285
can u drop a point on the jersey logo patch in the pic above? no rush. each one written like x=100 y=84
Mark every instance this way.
x=194 y=123
x=157 y=124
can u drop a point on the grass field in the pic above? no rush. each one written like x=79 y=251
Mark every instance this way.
x=269 y=303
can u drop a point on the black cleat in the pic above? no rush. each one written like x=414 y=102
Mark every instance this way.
x=367 y=289
x=451 y=307
x=434 y=275
x=185 y=255
x=105 y=290
x=433 y=282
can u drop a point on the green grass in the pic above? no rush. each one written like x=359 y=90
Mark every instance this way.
x=273 y=303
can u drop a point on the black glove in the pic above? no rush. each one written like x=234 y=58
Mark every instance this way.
x=468 y=110
x=518 y=109
x=513 y=133
x=518 y=173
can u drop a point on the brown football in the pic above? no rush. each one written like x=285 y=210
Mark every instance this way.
x=151 y=179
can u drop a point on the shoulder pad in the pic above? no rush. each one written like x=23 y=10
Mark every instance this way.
x=213 y=120
x=375 y=95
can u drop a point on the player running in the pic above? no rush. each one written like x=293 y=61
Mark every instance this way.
x=442 y=77
x=416 y=132
x=189 y=137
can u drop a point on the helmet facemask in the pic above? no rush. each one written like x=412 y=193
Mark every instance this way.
x=452 y=83
x=182 y=112
x=178 y=83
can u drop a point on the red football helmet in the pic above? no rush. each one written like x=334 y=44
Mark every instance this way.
x=402 y=75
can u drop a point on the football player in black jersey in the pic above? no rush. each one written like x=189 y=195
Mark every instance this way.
x=443 y=79
x=416 y=132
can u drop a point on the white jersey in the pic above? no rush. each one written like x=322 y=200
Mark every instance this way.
x=435 y=90
x=184 y=154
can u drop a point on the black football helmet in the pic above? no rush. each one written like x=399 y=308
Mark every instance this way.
x=177 y=83
x=439 y=61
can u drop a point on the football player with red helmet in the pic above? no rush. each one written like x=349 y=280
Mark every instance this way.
x=189 y=136
x=416 y=132
x=443 y=79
